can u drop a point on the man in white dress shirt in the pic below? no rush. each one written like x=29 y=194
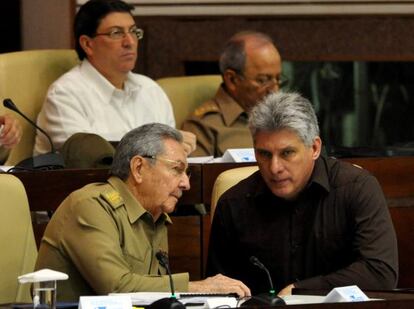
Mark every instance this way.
x=101 y=96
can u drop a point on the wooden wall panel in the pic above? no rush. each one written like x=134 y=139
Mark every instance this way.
x=170 y=41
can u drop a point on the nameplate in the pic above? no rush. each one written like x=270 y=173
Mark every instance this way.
x=105 y=302
x=350 y=293
x=239 y=155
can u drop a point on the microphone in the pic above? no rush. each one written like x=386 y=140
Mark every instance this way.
x=263 y=299
x=51 y=160
x=167 y=302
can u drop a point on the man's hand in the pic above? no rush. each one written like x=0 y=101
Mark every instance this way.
x=219 y=284
x=286 y=291
x=189 y=141
x=11 y=133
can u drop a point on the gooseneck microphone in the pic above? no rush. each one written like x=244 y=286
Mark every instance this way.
x=264 y=299
x=255 y=261
x=168 y=302
x=8 y=103
x=162 y=258
x=47 y=161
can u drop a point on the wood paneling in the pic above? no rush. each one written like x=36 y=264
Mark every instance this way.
x=171 y=41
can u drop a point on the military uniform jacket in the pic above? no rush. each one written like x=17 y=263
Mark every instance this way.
x=106 y=242
x=219 y=124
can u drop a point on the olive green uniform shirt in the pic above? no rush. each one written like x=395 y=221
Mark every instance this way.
x=219 y=124
x=106 y=242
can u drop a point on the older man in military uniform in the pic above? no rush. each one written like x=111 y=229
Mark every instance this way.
x=105 y=236
x=251 y=68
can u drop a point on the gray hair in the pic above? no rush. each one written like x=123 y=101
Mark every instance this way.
x=146 y=140
x=284 y=110
x=233 y=55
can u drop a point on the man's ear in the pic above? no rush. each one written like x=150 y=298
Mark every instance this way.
x=316 y=148
x=230 y=80
x=136 y=168
x=85 y=42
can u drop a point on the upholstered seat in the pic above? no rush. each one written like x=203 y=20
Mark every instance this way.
x=19 y=250
x=188 y=92
x=24 y=78
x=226 y=180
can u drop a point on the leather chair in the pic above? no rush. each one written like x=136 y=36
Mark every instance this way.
x=25 y=77
x=226 y=180
x=186 y=93
x=19 y=250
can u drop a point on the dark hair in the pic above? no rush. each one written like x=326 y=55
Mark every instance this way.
x=90 y=15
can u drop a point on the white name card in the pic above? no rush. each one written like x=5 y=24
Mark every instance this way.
x=239 y=155
x=350 y=293
x=105 y=302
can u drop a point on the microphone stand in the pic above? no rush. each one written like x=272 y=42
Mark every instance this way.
x=166 y=302
x=263 y=299
x=47 y=161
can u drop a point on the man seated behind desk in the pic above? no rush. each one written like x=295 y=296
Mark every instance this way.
x=10 y=135
x=101 y=95
x=250 y=66
x=105 y=236
x=315 y=222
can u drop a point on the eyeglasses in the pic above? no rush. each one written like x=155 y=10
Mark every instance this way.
x=118 y=33
x=179 y=169
x=267 y=80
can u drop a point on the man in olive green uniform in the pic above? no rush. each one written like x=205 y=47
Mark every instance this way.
x=250 y=66
x=10 y=135
x=105 y=236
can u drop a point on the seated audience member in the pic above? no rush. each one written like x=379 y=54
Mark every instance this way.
x=105 y=236
x=10 y=135
x=101 y=95
x=314 y=222
x=250 y=67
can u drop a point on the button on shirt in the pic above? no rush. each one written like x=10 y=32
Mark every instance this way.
x=338 y=232
x=83 y=100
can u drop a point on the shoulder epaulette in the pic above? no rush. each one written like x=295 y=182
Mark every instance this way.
x=113 y=198
x=205 y=108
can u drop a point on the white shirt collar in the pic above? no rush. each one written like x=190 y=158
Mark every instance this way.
x=104 y=85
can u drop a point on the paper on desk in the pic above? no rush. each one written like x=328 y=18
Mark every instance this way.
x=303 y=299
x=206 y=159
x=146 y=298
x=5 y=168
x=231 y=155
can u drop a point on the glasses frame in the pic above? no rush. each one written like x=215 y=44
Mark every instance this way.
x=281 y=81
x=186 y=171
x=118 y=34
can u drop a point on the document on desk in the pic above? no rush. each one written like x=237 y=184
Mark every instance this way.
x=303 y=299
x=193 y=300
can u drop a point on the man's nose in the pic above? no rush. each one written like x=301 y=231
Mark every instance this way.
x=276 y=165
x=129 y=39
x=272 y=87
x=184 y=182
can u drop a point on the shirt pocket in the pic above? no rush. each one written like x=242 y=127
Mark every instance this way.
x=139 y=262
